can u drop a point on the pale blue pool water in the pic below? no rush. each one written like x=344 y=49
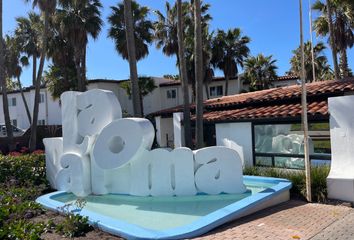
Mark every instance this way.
x=161 y=213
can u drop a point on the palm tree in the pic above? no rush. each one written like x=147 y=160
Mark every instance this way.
x=28 y=33
x=13 y=66
x=143 y=30
x=229 y=51
x=62 y=73
x=260 y=71
x=322 y=68
x=166 y=35
x=146 y=86
x=79 y=20
x=47 y=8
x=3 y=87
x=132 y=33
x=339 y=29
x=165 y=27
x=198 y=54
x=183 y=74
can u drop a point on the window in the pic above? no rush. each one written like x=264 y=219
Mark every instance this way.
x=281 y=145
x=41 y=122
x=216 y=91
x=14 y=122
x=41 y=98
x=171 y=94
x=12 y=102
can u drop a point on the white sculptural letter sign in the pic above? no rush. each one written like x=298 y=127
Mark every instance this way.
x=101 y=153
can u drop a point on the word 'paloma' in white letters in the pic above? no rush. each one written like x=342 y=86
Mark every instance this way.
x=101 y=152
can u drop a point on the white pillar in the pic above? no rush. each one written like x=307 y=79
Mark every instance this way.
x=178 y=130
x=340 y=181
x=158 y=130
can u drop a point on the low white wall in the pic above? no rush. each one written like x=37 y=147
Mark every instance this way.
x=340 y=181
x=237 y=136
x=164 y=131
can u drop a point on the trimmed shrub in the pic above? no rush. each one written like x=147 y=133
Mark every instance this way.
x=23 y=169
x=298 y=179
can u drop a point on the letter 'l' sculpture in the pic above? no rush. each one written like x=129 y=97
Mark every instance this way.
x=101 y=152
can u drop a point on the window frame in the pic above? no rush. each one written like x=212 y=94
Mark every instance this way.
x=314 y=156
x=12 y=102
x=41 y=97
x=169 y=94
x=217 y=87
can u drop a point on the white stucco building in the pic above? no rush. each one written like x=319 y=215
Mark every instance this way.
x=49 y=109
x=168 y=93
x=264 y=125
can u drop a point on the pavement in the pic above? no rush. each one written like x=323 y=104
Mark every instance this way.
x=291 y=220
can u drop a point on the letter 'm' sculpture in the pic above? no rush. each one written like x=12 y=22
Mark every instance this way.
x=101 y=152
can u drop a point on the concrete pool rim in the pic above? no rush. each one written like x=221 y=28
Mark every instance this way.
x=204 y=224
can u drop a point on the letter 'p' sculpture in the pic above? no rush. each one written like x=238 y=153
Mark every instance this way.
x=101 y=152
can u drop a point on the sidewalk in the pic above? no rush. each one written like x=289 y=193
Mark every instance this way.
x=291 y=220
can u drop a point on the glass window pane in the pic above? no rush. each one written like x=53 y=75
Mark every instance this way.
x=264 y=161
x=288 y=162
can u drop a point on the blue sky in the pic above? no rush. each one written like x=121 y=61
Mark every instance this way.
x=272 y=25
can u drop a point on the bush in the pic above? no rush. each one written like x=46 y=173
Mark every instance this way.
x=298 y=179
x=74 y=225
x=23 y=169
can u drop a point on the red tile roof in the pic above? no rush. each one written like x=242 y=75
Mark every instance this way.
x=178 y=82
x=288 y=77
x=318 y=108
x=216 y=79
x=271 y=103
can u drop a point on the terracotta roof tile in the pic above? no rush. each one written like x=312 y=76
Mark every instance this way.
x=275 y=111
x=271 y=103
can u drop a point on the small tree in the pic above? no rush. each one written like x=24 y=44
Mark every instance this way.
x=322 y=68
x=229 y=51
x=260 y=71
x=146 y=86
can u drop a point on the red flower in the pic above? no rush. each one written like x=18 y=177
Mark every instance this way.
x=39 y=152
x=15 y=154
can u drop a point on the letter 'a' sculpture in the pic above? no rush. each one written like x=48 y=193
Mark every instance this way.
x=101 y=152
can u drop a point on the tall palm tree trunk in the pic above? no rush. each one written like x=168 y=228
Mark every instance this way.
x=34 y=69
x=332 y=41
x=226 y=84
x=184 y=80
x=83 y=69
x=343 y=63
x=304 y=112
x=206 y=85
x=198 y=74
x=24 y=101
x=3 y=88
x=128 y=18
x=33 y=137
x=142 y=104
x=77 y=60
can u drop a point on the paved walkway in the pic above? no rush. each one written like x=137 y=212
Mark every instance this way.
x=342 y=229
x=291 y=220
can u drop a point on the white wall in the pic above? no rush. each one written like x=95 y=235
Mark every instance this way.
x=237 y=136
x=340 y=181
x=164 y=130
x=49 y=110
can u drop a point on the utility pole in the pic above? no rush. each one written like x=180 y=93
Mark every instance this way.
x=304 y=113
x=312 y=47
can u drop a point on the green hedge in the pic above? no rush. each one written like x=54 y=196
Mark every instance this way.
x=24 y=169
x=298 y=179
